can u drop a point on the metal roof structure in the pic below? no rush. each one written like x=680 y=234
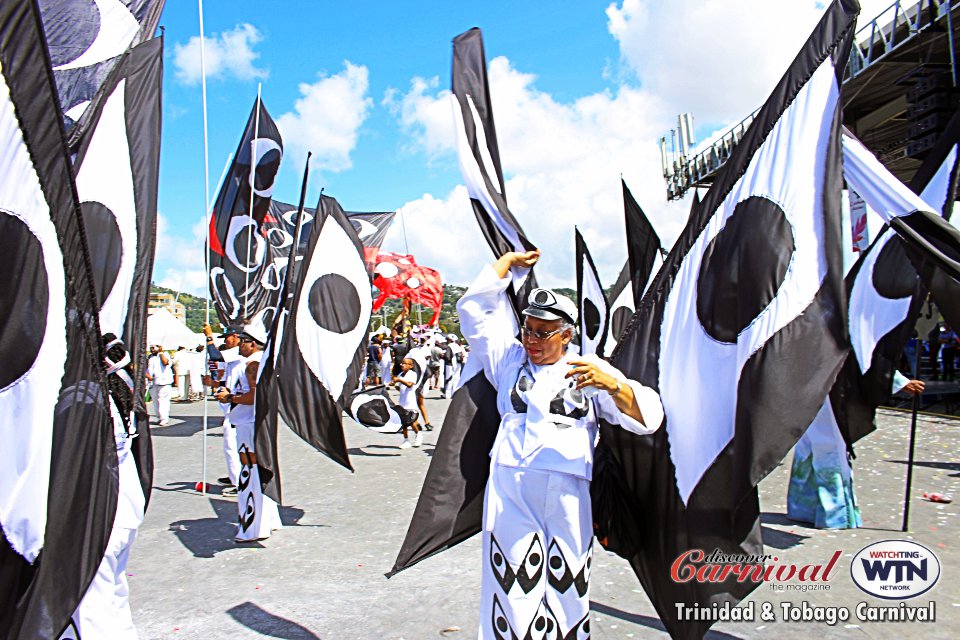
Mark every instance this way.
x=898 y=93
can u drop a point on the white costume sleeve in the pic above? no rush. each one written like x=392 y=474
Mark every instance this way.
x=488 y=323
x=648 y=400
x=899 y=381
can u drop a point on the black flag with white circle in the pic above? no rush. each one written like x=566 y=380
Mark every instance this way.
x=451 y=500
x=117 y=165
x=594 y=315
x=742 y=333
x=245 y=252
x=321 y=352
x=58 y=462
x=86 y=39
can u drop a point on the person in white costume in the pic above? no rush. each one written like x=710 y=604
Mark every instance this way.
x=537 y=532
x=104 y=611
x=258 y=514
x=226 y=359
x=160 y=375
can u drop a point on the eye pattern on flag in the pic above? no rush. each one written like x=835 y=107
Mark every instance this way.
x=319 y=345
x=594 y=314
x=58 y=465
x=742 y=333
x=372 y=408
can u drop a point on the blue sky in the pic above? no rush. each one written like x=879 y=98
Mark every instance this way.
x=581 y=91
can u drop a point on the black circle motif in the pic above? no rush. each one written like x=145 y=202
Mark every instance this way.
x=535 y=559
x=373 y=412
x=556 y=562
x=591 y=319
x=497 y=559
x=618 y=321
x=893 y=274
x=24 y=299
x=743 y=268
x=334 y=303
x=106 y=247
x=245 y=245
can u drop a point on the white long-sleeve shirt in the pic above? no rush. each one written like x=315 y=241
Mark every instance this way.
x=546 y=424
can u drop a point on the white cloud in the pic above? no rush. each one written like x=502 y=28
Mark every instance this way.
x=326 y=119
x=718 y=60
x=178 y=260
x=227 y=54
x=563 y=164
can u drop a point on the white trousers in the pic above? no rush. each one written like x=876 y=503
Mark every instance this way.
x=258 y=514
x=161 y=400
x=230 y=451
x=452 y=377
x=537 y=552
x=104 y=611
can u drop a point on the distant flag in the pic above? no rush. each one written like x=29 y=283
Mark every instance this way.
x=399 y=276
x=117 y=166
x=644 y=255
x=594 y=316
x=58 y=462
x=859 y=231
x=930 y=242
x=479 y=155
x=451 y=500
x=86 y=40
x=371 y=227
x=643 y=244
x=245 y=259
x=320 y=356
x=742 y=333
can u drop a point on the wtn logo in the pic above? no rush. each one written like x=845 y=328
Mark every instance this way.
x=895 y=569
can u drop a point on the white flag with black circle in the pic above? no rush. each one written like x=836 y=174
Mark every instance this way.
x=594 y=314
x=324 y=341
x=58 y=463
x=742 y=332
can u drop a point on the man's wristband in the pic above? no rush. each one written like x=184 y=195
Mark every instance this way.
x=616 y=391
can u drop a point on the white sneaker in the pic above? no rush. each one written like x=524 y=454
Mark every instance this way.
x=163 y=423
x=417 y=441
x=405 y=444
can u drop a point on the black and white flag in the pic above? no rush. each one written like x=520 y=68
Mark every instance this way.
x=86 y=39
x=451 y=501
x=742 y=333
x=372 y=408
x=929 y=240
x=246 y=257
x=644 y=257
x=320 y=353
x=886 y=293
x=58 y=463
x=594 y=314
x=479 y=156
x=643 y=244
x=117 y=165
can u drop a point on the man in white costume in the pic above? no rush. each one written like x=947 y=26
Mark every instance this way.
x=258 y=514
x=537 y=523
x=160 y=375
x=227 y=358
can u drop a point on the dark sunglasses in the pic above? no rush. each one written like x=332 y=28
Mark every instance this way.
x=538 y=335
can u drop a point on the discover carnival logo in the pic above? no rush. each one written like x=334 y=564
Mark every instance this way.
x=895 y=569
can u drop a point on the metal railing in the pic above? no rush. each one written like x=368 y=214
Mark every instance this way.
x=894 y=26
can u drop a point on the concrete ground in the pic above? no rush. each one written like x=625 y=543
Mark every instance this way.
x=322 y=576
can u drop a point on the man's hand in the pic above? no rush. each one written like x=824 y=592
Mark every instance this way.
x=589 y=375
x=914 y=387
x=221 y=395
x=207 y=330
x=515 y=259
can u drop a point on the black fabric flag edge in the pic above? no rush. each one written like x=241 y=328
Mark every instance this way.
x=40 y=598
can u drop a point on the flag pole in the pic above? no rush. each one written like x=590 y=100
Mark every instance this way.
x=253 y=182
x=205 y=221
x=913 y=437
x=206 y=252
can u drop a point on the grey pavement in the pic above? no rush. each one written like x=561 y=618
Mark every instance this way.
x=322 y=575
